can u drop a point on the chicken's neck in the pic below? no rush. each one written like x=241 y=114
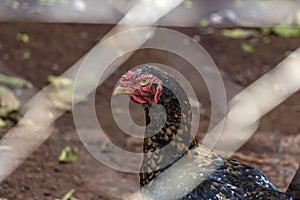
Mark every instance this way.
x=168 y=134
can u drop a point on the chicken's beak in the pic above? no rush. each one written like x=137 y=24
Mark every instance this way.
x=122 y=90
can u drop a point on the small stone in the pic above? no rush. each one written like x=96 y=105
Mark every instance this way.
x=29 y=176
x=5 y=57
x=229 y=14
x=209 y=30
x=57 y=168
x=53 y=187
x=26 y=55
x=215 y=18
x=55 y=67
x=84 y=34
x=23 y=188
x=47 y=193
x=196 y=38
x=38 y=169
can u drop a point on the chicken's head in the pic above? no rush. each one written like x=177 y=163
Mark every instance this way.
x=142 y=87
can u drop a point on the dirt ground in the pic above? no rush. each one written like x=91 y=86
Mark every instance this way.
x=53 y=48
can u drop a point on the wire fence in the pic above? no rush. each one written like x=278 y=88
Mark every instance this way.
x=254 y=101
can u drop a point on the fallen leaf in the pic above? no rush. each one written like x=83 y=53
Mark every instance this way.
x=23 y=37
x=2 y=123
x=9 y=106
x=239 y=33
x=8 y=99
x=61 y=93
x=14 y=82
x=247 y=48
x=60 y=82
x=68 y=196
x=68 y=155
x=286 y=32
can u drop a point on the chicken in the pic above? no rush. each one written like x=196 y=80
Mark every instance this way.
x=168 y=137
x=294 y=187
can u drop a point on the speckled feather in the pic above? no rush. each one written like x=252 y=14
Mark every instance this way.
x=164 y=144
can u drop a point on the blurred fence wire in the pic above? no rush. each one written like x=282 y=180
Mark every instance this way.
x=189 y=13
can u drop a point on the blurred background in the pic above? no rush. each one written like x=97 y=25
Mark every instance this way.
x=41 y=39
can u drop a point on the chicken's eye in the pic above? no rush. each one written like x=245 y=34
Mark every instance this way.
x=144 y=82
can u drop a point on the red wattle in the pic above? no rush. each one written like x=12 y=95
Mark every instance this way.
x=137 y=99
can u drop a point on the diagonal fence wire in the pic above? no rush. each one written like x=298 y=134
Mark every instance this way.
x=231 y=13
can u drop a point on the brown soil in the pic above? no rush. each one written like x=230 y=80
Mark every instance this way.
x=55 y=47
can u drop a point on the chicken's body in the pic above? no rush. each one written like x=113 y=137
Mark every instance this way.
x=165 y=143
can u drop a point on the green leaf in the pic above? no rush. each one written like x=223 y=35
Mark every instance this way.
x=8 y=102
x=239 y=33
x=286 y=32
x=247 y=48
x=203 y=23
x=265 y=31
x=188 y=4
x=68 y=155
x=60 y=82
x=61 y=93
x=68 y=196
x=2 y=125
x=23 y=37
x=14 y=82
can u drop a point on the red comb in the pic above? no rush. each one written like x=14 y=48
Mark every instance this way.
x=128 y=76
